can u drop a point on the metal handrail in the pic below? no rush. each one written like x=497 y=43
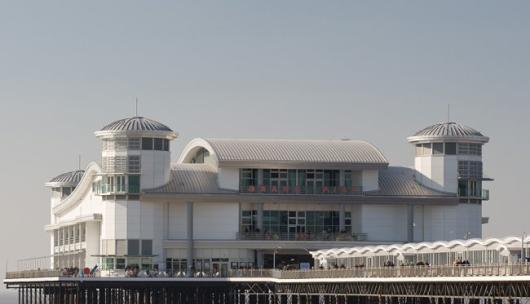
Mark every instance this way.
x=359 y=272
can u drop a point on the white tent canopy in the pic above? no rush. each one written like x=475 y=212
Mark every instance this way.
x=476 y=251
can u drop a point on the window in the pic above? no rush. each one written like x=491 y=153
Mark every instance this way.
x=133 y=164
x=159 y=146
x=115 y=164
x=108 y=263
x=147 y=247
x=475 y=149
x=120 y=263
x=55 y=237
x=248 y=221
x=419 y=150
x=82 y=232
x=120 y=183
x=470 y=169
x=120 y=144
x=134 y=143
x=133 y=247
x=121 y=247
x=166 y=145
x=450 y=148
x=437 y=148
x=134 y=184
x=426 y=149
x=248 y=180
x=147 y=143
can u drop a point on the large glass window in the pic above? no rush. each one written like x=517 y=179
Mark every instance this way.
x=427 y=149
x=470 y=169
x=248 y=180
x=248 y=221
x=419 y=150
x=134 y=183
x=147 y=247
x=159 y=144
x=437 y=148
x=147 y=143
x=450 y=148
x=133 y=247
x=134 y=143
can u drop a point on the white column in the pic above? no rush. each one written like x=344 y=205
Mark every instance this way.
x=189 y=212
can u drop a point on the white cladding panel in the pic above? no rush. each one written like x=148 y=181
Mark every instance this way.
x=108 y=229
x=155 y=168
x=215 y=221
x=92 y=243
x=88 y=205
x=385 y=222
x=469 y=222
x=439 y=172
x=177 y=221
x=228 y=178
x=133 y=219
x=370 y=180
x=120 y=219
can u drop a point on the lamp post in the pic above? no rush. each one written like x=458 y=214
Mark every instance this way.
x=274 y=257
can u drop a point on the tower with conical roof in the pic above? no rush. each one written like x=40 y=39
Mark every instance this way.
x=449 y=159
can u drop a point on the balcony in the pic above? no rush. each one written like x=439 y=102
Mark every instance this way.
x=284 y=236
x=485 y=194
x=300 y=190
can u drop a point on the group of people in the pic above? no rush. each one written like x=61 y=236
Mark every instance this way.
x=76 y=272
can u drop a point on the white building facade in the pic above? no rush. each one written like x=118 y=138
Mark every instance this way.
x=233 y=203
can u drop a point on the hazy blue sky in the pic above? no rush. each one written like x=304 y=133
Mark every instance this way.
x=377 y=71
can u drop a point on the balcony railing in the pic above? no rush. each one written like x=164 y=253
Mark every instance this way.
x=266 y=236
x=485 y=194
x=359 y=272
x=266 y=189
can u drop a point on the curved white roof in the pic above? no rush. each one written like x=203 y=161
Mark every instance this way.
x=285 y=152
x=502 y=245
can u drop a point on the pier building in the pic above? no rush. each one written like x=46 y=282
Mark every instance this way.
x=228 y=204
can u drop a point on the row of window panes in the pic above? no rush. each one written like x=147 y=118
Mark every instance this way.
x=110 y=263
x=470 y=169
x=62 y=192
x=276 y=221
x=469 y=188
x=144 y=143
x=121 y=164
x=158 y=144
x=131 y=247
x=69 y=235
x=299 y=181
x=448 y=149
x=117 y=184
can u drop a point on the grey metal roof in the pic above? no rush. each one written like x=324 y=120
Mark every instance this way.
x=136 y=123
x=191 y=178
x=401 y=181
x=301 y=151
x=202 y=179
x=68 y=179
x=451 y=129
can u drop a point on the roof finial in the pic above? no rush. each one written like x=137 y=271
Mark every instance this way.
x=448 y=112
x=79 y=162
x=136 y=107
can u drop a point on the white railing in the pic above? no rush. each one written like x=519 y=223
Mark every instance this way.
x=381 y=272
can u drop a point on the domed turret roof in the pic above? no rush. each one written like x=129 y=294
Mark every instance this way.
x=135 y=125
x=68 y=179
x=445 y=131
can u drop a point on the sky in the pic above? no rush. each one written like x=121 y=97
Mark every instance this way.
x=372 y=70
